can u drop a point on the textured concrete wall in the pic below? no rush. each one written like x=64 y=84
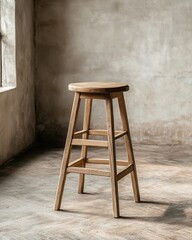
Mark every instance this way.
x=146 y=44
x=17 y=116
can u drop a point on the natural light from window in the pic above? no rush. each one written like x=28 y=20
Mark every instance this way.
x=7 y=48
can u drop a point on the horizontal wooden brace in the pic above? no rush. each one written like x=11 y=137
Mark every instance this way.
x=89 y=171
x=106 y=161
x=80 y=132
x=98 y=132
x=124 y=172
x=99 y=95
x=87 y=142
x=121 y=134
x=103 y=132
x=76 y=163
x=94 y=95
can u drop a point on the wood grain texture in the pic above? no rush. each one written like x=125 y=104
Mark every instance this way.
x=112 y=156
x=129 y=147
x=86 y=126
x=89 y=171
x=98 y=87
x=87 y=142
x=103 y=132
x=66 y=154
x=106 y=161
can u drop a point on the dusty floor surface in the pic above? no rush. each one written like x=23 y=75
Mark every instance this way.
x=27 y=191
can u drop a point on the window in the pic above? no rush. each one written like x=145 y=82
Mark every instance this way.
x=7 y=45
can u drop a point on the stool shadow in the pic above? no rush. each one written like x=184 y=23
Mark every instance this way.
x=89 y=193
x=85 y=213
x=173 y=215
x=154 y=202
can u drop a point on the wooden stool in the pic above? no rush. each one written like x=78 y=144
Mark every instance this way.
x=107 y=91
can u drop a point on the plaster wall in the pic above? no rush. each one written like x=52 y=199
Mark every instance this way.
x=146 y=44
x=17 y=115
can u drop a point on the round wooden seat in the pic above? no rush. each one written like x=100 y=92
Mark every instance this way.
x=98 y=87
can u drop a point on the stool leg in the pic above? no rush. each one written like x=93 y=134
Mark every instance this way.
x=67 y=151
x=86 y=126
x=112 y=156
x=129 y=147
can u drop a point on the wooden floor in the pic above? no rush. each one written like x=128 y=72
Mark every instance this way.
x=28 y=185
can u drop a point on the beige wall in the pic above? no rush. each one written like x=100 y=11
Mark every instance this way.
x=146 y=44
x=17 y=116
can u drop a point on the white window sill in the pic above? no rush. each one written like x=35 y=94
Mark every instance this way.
x=5 y=89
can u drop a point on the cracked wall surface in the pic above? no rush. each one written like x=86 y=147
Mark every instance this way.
x=146 y=44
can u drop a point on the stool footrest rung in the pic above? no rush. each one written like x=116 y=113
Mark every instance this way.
x=92 y=171
x=101 y=132
x=124 y=172
x=89 y=171
x=106 y=161
x=98 y=132
x=87 y=142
